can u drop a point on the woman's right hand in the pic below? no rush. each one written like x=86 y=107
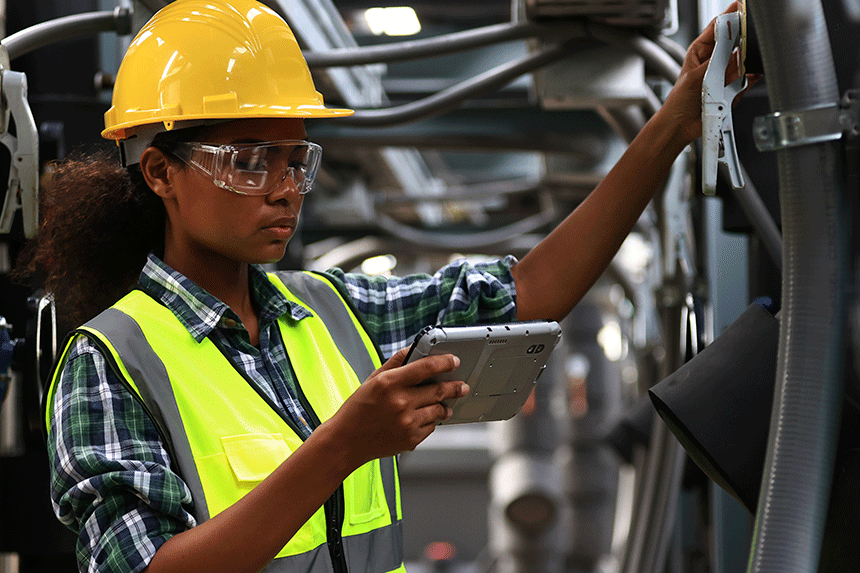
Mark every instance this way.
x=393 y=411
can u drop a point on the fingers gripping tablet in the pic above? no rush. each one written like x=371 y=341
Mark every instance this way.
x=501 y=364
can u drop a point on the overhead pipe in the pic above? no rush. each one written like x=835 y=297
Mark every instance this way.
x=793 y=502
x=438 y=45
x=587 y=151
x=452 y=97
x=655 y=56
x=475 y=192
x=461 y=241
x=67 y=28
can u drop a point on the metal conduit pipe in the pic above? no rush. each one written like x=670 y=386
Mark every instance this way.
x=476 y=192
x=500 y=76
x=680 y=328
x=451 y=97
x=793 y=502
x=67 y=28
x=654 y=55
x=673 y=48
x=461 y=241
x=627 y=122
x=438 y=45
x=756 y=211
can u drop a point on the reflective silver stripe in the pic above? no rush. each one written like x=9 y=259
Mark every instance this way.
x=389 y=482
x=333 y=311
x=376 y=551
x=149 y=374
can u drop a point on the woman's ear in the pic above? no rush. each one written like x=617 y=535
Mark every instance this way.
x=158 y=171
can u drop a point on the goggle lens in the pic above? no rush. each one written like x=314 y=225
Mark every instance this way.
x=256 y=168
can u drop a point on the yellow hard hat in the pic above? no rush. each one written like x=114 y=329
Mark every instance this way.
x=212 y=59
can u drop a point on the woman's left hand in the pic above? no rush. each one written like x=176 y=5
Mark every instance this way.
x=684 y=104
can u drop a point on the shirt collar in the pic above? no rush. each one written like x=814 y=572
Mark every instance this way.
x=199 y=311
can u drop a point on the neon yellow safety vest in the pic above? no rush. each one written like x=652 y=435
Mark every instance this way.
x=224 y=435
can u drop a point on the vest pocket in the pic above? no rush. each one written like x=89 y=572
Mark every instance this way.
x=253 y=457
x=365 y=497
x=246 y=460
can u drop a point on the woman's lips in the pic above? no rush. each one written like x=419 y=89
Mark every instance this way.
x=279 y=231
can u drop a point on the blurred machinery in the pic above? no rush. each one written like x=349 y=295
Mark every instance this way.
x=472 y=138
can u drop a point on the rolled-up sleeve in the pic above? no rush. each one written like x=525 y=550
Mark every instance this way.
x=394 y=309
x=111 y=480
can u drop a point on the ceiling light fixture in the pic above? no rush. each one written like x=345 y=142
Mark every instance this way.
x=393 y=21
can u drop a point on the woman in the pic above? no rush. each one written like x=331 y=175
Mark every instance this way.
x=216 y=418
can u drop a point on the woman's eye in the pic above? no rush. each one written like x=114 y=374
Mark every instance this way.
x=251 y=161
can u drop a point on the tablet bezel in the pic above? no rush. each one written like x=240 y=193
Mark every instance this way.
x=519 y=350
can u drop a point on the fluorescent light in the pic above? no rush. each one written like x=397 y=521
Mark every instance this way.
x=393 y=21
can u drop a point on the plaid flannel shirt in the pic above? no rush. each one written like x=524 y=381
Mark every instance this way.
x=111 y=479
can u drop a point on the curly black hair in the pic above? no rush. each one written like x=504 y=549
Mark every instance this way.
x=99 y=221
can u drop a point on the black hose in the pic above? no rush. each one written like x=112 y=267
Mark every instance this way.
x=793 y=502
x=67 y=28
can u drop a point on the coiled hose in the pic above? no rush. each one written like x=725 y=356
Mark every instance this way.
x=793 y=501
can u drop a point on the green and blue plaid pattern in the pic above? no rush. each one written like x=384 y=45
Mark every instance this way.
x=111 y=478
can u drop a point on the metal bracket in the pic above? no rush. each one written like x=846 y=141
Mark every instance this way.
x=828 y=122
x=718 y=139
x=23 y=188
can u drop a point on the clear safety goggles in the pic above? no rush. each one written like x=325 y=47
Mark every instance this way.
x=255 y=168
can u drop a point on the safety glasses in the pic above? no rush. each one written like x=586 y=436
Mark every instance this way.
x=255 y=168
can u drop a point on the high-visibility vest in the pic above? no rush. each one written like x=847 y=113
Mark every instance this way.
x=225 y=436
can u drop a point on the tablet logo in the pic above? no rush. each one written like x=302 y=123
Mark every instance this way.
x=535 y=349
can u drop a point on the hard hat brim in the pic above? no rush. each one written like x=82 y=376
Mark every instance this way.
x=125 y=129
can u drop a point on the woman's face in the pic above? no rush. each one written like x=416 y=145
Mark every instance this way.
x=207 y=221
